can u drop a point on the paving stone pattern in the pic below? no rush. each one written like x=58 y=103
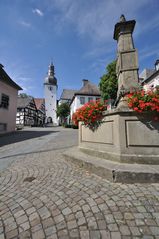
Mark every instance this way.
x=43 y=196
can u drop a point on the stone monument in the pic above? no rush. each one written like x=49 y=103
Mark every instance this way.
x=127 y=58
x=125 y=148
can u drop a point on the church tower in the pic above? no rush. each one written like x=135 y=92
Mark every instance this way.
x=50 y=93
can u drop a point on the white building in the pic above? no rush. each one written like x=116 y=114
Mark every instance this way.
x=50 y=93
x=87 y=93
x=150 y=77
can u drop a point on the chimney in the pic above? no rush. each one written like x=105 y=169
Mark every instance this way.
x=157 y=65
x=85 y=82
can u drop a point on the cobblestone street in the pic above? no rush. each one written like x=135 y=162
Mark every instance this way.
x=43 y=196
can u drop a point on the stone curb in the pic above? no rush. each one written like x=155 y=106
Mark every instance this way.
x=114 y=171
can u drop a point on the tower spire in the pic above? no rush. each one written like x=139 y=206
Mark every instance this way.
x=50 y=78
x=51 y=69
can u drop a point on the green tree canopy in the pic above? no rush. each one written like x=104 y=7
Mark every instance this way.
x=109 y=83
x=63 y=110
x=24 y=95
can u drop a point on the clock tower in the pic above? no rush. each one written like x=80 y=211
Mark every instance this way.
x=50 y=93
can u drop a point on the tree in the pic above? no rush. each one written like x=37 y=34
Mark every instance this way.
x=109 y=82
x=24 y=95
x=63 y=110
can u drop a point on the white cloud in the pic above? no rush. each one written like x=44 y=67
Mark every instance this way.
x=107 y=49
x=25 y=24
x=147 y=26
x=149 y=51
x=95 y=19
x=38 y=12
x=23 y=79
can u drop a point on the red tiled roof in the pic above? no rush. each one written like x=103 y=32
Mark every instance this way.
x=39 y=102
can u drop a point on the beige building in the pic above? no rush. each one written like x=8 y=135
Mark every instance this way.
x=8 y=102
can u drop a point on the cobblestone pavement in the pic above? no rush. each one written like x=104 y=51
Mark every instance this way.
x=32 y=140
x=43 y=196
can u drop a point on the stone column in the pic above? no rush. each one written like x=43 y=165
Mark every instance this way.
x=127 y=58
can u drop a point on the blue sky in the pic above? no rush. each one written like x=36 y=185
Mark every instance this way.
x=77 y=35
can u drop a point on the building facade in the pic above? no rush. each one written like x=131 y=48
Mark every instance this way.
x=26 y=112
x=8 y=102
x=88 y=92
x=50 y=93
x=149 y=78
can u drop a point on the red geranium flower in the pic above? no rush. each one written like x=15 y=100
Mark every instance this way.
x=91 y=114
x=144 y=101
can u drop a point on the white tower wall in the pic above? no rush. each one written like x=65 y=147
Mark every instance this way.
x=50 y=93
x=50 y=102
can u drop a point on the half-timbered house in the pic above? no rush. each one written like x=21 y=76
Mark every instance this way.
x=26 y=112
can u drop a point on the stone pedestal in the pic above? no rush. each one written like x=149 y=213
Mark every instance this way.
x=125 y=137
x=127 y=58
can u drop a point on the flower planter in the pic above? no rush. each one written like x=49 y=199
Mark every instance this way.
x=124 y=136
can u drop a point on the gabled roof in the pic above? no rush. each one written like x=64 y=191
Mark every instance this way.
x=39 y=102
x=146 y=73
x=23 y=102
x=89 y=89
x=6 y=79
x=67 y=94
x=151 y=77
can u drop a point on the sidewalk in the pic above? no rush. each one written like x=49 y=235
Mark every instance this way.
x=44 y=196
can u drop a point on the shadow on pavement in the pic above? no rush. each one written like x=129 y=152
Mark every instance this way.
x=19 y=136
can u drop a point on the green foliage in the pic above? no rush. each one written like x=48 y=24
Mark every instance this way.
x=109 y=82
x=63 y=110
x=24 y=95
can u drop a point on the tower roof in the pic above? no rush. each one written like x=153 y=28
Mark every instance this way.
x=39 y=102
x=50 y=78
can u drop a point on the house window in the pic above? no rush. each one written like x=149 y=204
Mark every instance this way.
x=82 y=100
x=90 y=99
x=5 y=101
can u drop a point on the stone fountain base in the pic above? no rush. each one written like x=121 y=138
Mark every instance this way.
x=113 y=171
x=125 y=137
x=125 y=147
